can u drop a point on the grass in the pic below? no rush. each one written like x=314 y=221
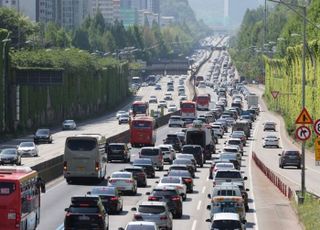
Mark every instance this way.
x=309 y=212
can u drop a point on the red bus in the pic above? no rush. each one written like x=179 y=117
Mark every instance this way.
x=140 y=107
x=188 y=110
x=142 y=131
x=19 y=198
x=203 y=102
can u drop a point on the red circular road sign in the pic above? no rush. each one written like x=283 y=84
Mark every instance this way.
x=316 y=127
x=303 y=133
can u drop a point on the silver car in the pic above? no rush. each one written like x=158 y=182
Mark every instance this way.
x=123 y=181
x=154 y=211
x=140 y=225
x=69 y=124
x=29 y=149
x=153 y=153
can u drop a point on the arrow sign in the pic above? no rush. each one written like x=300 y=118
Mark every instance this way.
x=303 y=133
x=274 y=94
x=304 y=117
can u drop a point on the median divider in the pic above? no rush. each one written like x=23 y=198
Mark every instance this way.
x=284 y=188
x=53 y=168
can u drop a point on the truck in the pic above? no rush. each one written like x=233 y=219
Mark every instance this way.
x=198 y=134
x=253 y=100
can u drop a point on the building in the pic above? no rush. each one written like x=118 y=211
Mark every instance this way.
x=110 y=9
x=166 y=21
x=129 y=17
x=153 y=6
x=146 y=18
x=25 y=7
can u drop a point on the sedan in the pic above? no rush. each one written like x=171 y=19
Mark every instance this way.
x=172 y=108
x=147 y=165
x=42 y=135
x=186 y=177
x=10 y=156
x=124 y=118
x=190 y=165
x=119 y=113
x=69 y=124
x=153 y=99
x=143 y=225
x=176 y=182
x=28 y=149
x=138 y=174
x=162 y=104
x=269 y=126
x=110 y=197
x=271 y=141
x=123 y=181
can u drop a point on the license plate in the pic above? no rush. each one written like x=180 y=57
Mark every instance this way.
x=84 y=218
x=121 y=188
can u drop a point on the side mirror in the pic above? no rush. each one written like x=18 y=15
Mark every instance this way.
x=157 y=182
x=247 y=189
x=89 y=193
x=121 y=228
x=245 y=178
x=244 y=221
x=148 y=193
x=208 y=207
x=209 y=196
x=134 y=209
x=279 y=155
x=66 y=209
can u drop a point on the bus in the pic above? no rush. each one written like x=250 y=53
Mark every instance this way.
x=188 y=110
x=142 y=131
x=85 y=157
x=140 y=107
x=203 y=102
x=20 y=188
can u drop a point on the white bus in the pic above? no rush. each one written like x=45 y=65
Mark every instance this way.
x=85 y=157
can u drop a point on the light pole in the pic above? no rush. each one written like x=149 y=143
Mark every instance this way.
x=4 y=73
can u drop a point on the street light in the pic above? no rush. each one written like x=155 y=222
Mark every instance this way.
x=4 y=73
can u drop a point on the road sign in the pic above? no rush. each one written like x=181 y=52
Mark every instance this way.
x=316 y=127
x=303 y=133
x=274 y=94
x=317 y=151
x=304 y=117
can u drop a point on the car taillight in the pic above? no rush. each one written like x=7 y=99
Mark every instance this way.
x=175 y=198
x=114 y=198
x=163 y=217
x=141 y=174
x=113 y=181
x=97 y=166
x=128 y=181
x=152 y=198
x=188 y=180
x=137 y=217
x=65 y=166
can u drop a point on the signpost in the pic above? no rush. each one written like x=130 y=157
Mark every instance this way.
x=317 y=151
x=274 y=94
x=304 y=117
x=316 y=127
x=303 y=133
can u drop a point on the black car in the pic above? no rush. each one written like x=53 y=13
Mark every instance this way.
x=170 y=196
x=196 y=151
x=173 y=140
x=147 y=165
x=138 y=174
x=290 y=158
x=269 y=126
x=42 y=136
x=10 y=156
x=110 y=198
x=118 y=151
x=86 y=212
x=186 y=177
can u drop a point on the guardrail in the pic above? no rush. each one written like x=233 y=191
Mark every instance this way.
x=284 y=189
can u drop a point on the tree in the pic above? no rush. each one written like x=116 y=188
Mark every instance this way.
x=81 y=39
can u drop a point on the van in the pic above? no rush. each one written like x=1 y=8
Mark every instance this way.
x=85 y=157
x=153 y=153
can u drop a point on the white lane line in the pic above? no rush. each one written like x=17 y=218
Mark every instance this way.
x=194 y=225
x=199 y=205
x=60 y=227
x=203 y=189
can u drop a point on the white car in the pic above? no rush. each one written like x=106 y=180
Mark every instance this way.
x=162 y=104
x=218 y=130
x=202 y=84
x=271 y=141
x=169 y=154
x=28 y=149
x=176 y=121
x=119 y=113
x=124 y=118
x=153 y=99
x=123 y=181
x=145 y=225
x=177 y=182
x=183 y=98
x=223 y=166
x=172 y=108
x=168 y=97
x=69 y=124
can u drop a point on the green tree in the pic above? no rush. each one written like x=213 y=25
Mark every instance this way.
x=81 y=39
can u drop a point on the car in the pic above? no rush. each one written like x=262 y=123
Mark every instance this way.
x=186 y=177
x=175 y=121
x=86 y=212
x=183 y=98
x=118 y=151
x=10 y=156
x=140 y=225
x=147 y=165
x=223 y=166
x=124 y=119
x=119 y=113
x=271 y=141
x=170 y=89
x=290 y=158
x=182 y=136
x=28 y=148
x=182 y=167
x=172 y=108
x=171 y=196
x=197 y=151
x=110 y=198
x=169 y=154
x=241 y=135
x=162 y=104
x=154 y=211
x=176 y=182
x=228 y=175
x=202 y=84
x=235 y=142
x=187 y=156
x=226 y=220
x=190 y=165
x=42 y=136
x=173 y=140
x=69 y=125
x=153 y=153
x=157 y=87
x=269 y=126
x=218 y=130
x=153 y=99
x=139 y=175
x=168 y=97
x=123 y=181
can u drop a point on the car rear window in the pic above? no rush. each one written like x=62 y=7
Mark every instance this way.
x=170 y=180
x=226 y=224
x=228 y=174
x=164 y=192
x=151 y=209
x=291 y=153
x=226 y=192
x=116 y=147
x=140 y=227
x=84 y=210
x=234 y=142
x=149 y=152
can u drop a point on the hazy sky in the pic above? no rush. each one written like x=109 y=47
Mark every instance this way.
x=212 y=11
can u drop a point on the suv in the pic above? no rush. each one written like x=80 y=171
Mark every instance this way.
x=169 y=154
x=154 y=211
x=153 y=153
x=227 y=176
x=174 y=140
x=290 y=158
x=139 y=175
x=86 y=212
x=118 y=151
x=196 y=151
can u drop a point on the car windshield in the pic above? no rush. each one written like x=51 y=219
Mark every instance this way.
x=26 y=144
x=170 y=180
x=8 y=152
x=149 y=152
x=121 y=175
x=42 y=132
x=68 y=121
x=153 y=209
x=164 y=149
x=228 y=174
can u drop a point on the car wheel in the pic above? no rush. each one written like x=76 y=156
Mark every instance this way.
x=184 y=197
x=178 y=214
x=201 y=166
x=161 y=168
x=68 y=181
x=134 y=192
x=281 y=166
x=298 y=166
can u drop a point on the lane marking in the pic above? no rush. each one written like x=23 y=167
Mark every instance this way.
x=203 y=189
x=60 y=227
x=194 y=225
x=199 y=205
